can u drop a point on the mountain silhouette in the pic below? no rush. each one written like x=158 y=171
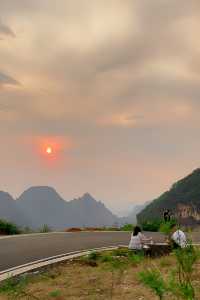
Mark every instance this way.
x=43 y=205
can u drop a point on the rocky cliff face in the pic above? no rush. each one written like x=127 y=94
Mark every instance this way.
x=183 y=200
x=187 y=213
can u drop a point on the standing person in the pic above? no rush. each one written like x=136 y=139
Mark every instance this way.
x=138 y=239
x=178 y=238
x=166 y=215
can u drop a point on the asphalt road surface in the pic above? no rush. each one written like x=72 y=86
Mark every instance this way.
x=18 y=250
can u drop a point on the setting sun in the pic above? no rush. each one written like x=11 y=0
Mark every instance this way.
x=48 y=150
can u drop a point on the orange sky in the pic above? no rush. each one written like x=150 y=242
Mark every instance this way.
x=112 y=86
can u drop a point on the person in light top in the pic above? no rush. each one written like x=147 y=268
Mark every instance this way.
x=138 y=239
x=178 y=238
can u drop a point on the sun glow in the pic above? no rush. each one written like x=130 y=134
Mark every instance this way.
x=48 y=150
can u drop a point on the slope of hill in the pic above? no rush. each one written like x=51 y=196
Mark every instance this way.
x=90 y=212
x=43 y=205
x=183 y=200
x=9 y=210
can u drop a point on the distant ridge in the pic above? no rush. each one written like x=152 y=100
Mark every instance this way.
x=183 y=200
x=41 y=205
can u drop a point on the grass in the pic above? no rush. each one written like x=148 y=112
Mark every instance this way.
x=55 y=294
x=113 y=276
x=153 y=279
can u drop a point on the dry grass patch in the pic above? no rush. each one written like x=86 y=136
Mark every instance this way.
x=114 y=276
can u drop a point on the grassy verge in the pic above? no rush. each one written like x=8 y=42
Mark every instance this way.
x=109 y=275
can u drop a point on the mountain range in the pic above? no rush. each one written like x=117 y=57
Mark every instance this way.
x=43 y=205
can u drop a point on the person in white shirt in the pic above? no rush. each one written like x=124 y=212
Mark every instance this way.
x=178 y=238
x=138 y=239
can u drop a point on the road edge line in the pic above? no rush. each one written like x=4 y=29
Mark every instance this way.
x=27 y=268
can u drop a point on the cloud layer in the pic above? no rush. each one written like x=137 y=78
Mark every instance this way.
x=118 y=78
x=5 y=30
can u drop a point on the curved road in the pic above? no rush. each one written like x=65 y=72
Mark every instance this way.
x=18 y=250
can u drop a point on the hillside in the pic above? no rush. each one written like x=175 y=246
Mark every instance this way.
x=90 y=212
x=9 y=210
x=183 y=200
x=42 y=205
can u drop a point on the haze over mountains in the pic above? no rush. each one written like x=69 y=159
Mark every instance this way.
x=43 y=205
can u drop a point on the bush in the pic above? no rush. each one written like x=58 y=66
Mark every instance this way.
x=151 y=225
x=127 y=227
x=8 y=228
x=94 y=255
x=166 y=227
x=14 y=287
x=45 y=228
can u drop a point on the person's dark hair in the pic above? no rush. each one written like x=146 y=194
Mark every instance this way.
x=136 y=230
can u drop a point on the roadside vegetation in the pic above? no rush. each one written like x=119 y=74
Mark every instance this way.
x=158 y=225
x=8 y=228
x=118 y=274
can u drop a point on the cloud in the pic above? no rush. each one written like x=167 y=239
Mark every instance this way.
x=5 y=30
x=119 y=77
x=7 y=80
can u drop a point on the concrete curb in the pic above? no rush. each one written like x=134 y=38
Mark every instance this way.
x=19 y=270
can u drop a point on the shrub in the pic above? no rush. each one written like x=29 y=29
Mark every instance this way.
x=166 y=227
x=91 y=259
x=14 y=287
x=186 y=258
x=8 y=228
x=151 y=225
x=45 y=228
x=127 y=227
x=94 y=255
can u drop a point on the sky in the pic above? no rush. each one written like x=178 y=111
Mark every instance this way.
x=112 y=86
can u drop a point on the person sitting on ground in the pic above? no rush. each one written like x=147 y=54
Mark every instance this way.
x=178 y=238
x=138 y=240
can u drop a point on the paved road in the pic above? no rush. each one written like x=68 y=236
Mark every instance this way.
x=15 y=251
